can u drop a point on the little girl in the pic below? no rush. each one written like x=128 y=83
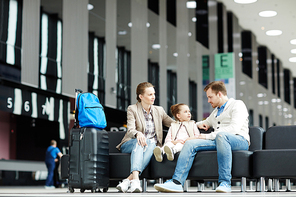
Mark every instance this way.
x=181 y=130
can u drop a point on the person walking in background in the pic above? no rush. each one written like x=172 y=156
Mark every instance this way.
x=51 y=155
x=144 y=131
x=179 y=132
x=230 y=122
x=56 y=174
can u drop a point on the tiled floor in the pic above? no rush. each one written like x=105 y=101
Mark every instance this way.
x=112 y=192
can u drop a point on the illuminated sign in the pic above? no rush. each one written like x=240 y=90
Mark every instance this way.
x=36 y=103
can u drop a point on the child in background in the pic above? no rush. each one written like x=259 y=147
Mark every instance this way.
x=181 y=130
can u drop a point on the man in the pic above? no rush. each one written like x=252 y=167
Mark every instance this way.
x=229 y=120
x=50 y=156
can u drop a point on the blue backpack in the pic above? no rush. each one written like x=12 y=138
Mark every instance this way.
x=90 y=112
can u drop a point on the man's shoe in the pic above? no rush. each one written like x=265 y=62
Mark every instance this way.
x=124 y=185
x=157 y=154
x=169 y=152
x=224 y=188
x=136 y=186
x=169 y=186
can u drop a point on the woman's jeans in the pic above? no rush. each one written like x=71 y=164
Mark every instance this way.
x=140 y=156
x=224 y=143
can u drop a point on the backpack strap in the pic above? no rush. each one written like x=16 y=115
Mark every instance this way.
x=76 y=122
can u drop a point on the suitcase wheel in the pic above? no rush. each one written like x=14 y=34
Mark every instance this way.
x=82 y=190
x=95 y=190
x=71 y=190
x=105 y=189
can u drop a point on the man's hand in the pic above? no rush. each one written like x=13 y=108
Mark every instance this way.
x=204 y=126
x=201 y=136
x=191 y=138
x=141 y=139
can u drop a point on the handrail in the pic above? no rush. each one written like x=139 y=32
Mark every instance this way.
x=22 y=165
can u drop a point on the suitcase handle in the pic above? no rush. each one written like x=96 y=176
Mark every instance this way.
x=82 y=133
x=78 y=91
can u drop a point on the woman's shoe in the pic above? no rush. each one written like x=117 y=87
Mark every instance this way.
x=135 y=186
x=124 y=185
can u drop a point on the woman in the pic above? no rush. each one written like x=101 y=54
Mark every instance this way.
x=144 y=132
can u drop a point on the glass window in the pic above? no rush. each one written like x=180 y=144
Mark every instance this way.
x=50 y=64
x=230 y=31
x=246 y=40
x=123 y=78
x=11 y=39
x=172 y=89
x=287 y=90
x=171 y=11
x=154 y=6
x=153 y=77
x=262 y=65
x=266 y=123
x=273 y=73
x=96 y=66
x=251 y=118
x=220 y=28
x=202 y=22
x=294 y=93
x=260 y=121
x=278 y=78
x=193 y=99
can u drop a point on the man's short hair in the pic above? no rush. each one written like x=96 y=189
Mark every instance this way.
x=217 y=86
x=53 y=142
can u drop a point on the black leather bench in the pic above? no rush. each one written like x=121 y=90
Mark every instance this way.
x=278 y=158
x=119 y=163
x=204 y=167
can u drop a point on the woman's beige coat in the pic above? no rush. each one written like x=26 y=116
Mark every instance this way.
x=136 y=122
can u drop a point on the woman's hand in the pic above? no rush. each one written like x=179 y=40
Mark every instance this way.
x=141 y=139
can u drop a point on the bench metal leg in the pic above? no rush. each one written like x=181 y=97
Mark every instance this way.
x=251 y=185
x=276 y=185
x=144 y=185
x=160 y=180
x=200 y=187
x=243 y=184
x=257 y=185
x=270 y=185
x=260 y=185
x=288 y=185
x=185 y=188
x=214 y=185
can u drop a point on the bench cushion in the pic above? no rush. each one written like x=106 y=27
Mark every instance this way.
x=276 y=163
